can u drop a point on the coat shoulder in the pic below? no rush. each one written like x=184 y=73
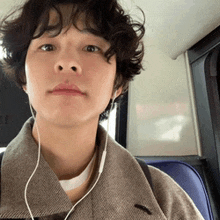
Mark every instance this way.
x=173 y=200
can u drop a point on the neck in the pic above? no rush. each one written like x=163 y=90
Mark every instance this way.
x=67 y=150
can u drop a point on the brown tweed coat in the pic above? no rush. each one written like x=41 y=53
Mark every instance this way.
x=121 y=186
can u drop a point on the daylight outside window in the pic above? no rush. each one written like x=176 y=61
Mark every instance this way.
x=112 y=123
x=1 y=51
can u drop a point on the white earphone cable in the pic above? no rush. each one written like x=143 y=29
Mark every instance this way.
x=101 y=163
x=38 y=161
x=37 y=164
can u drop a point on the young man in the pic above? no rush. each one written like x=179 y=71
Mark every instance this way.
x=73 y=59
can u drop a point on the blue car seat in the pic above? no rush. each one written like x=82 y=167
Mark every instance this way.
x=189 y=179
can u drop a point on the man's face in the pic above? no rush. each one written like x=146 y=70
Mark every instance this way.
x=69 y=80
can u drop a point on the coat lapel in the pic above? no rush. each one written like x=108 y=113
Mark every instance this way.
x=44 y=191
x=122 y=191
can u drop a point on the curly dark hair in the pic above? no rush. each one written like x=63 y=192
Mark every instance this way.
x=118 y=28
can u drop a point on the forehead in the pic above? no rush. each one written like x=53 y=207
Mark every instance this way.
x=63 y=16
x=66 y=11
x=70 y=15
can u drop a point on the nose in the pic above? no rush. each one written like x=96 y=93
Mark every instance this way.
x=68 y=65
x=73 y=68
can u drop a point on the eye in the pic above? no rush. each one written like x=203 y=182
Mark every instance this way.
x=47 y=47
x=92 y=48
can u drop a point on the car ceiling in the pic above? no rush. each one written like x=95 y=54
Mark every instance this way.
x=173 y=26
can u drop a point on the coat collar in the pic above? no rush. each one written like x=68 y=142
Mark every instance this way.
x=18 y=163
x=121 y=185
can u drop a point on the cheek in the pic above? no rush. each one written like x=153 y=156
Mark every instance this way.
x=28 y=77
x=34 y=83
x=100 y=71
x=101 y=83
x=36 y=72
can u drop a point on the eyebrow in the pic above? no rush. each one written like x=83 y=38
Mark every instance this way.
x=94 y=33
x=54 y=30
x=91 y=31
x=51 y=31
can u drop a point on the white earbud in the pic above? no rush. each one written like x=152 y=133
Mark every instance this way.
x=114 y=96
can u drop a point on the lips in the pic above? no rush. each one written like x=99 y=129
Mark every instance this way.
x=65 y=89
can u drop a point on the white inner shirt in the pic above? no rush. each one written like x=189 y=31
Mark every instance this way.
x=78 y=180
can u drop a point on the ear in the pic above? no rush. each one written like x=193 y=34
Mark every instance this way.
x=25 y=88
x=118 y=92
